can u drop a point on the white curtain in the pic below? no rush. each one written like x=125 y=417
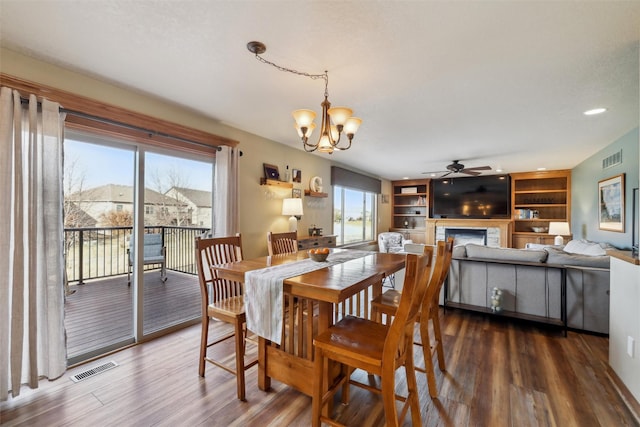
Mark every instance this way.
x=32 y=336
x=225 y=190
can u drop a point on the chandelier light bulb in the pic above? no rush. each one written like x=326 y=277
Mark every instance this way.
x=304 y=118
x=309 y=130
x=340 y=115
x=352 y=125
x=324 y=145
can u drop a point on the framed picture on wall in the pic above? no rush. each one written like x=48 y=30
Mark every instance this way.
x=296 y=193
x=271 y=171
x=297 y=175
x=611 y=203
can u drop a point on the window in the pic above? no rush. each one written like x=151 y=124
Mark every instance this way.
x=354 y=214
x=148 y=210
x=354 y=205
x=119 y=208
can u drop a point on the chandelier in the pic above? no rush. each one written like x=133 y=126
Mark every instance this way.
x=335 y=122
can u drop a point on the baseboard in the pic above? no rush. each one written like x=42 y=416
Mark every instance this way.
x=630 y=402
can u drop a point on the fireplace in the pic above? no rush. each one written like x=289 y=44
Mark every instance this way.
x=462 y=236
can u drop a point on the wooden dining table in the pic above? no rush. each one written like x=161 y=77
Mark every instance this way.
x=315 y=300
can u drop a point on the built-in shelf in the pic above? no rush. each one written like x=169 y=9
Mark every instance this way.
x=281 y=184
x=315 y=194
x=537 y=199
x=410 y=208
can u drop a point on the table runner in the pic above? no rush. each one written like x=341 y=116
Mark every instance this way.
x=264 y=291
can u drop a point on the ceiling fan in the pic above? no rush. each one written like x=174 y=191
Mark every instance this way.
x=457 y=167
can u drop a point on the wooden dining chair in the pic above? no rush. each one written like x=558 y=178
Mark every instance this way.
x=387 y=304
x=222 y=300
x=282 y=243
x=358 y=343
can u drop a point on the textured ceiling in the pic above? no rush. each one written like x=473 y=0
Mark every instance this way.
x=491 y=83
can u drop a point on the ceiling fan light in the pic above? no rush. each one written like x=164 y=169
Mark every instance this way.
x=340 y=115
x=352 y=125
x=304 y=118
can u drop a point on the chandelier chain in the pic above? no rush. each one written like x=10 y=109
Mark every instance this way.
x=324 y=76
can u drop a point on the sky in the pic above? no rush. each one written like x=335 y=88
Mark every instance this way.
x=100 y=165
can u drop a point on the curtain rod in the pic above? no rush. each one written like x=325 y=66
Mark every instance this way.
x=126 y=126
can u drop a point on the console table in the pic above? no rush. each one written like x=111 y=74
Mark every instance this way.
x=311 y=242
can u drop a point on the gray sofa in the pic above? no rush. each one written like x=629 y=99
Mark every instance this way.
x=530 y=281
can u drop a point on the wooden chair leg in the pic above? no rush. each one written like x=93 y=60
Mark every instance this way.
x=412 y=388
x=240 y=359
x=346 y=371
x=388 y=391
x=318 y=388
x=435 y=320
x=428 y=356
x=204 y=336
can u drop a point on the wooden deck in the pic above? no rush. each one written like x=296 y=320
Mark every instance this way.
x=100 y=312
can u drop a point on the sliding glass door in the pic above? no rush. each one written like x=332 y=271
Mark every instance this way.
x=177 y=208
x=98 y=218
x=115 y=294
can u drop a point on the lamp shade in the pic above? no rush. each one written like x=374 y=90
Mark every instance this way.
x=352 y=125
x=292 y=207
x=304 y=118
x=559 y=228
x=340 y=115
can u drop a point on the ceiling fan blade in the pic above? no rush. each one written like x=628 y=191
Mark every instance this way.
x=433 y=172
x=479 y=168
x=448 y=173
x=469 y=172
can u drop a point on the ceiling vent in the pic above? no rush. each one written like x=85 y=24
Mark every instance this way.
x=612 y=160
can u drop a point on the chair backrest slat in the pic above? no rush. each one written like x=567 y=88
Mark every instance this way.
x=215 y=251
x=282 y=243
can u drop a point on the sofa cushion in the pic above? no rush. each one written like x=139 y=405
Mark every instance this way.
x=561 y=257
x=584 y=247
x=459 y=251
x=505 y=254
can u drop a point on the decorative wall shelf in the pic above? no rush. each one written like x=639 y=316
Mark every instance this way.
x=281 y=184
x=315 y=194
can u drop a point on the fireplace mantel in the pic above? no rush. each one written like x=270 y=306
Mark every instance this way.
x=504 y=225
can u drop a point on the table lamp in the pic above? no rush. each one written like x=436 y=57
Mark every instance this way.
x=292 y=207
x=559 y=229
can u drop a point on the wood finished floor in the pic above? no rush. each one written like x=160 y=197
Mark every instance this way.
x=500 y=373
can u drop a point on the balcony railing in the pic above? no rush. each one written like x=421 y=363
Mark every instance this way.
x=95 y=252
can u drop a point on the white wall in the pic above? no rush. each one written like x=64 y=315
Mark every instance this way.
x=624 y=323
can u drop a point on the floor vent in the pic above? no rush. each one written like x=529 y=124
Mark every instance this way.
x=612 y=160
x=93 y=371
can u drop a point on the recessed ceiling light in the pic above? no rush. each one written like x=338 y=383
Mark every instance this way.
x=595 y=111
x=499 y=170
x=405 y=177
x=542 y=169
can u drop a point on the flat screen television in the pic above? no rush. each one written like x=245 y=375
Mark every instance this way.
x=485 y=197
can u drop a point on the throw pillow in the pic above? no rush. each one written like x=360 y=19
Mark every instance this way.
x=584 y=247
